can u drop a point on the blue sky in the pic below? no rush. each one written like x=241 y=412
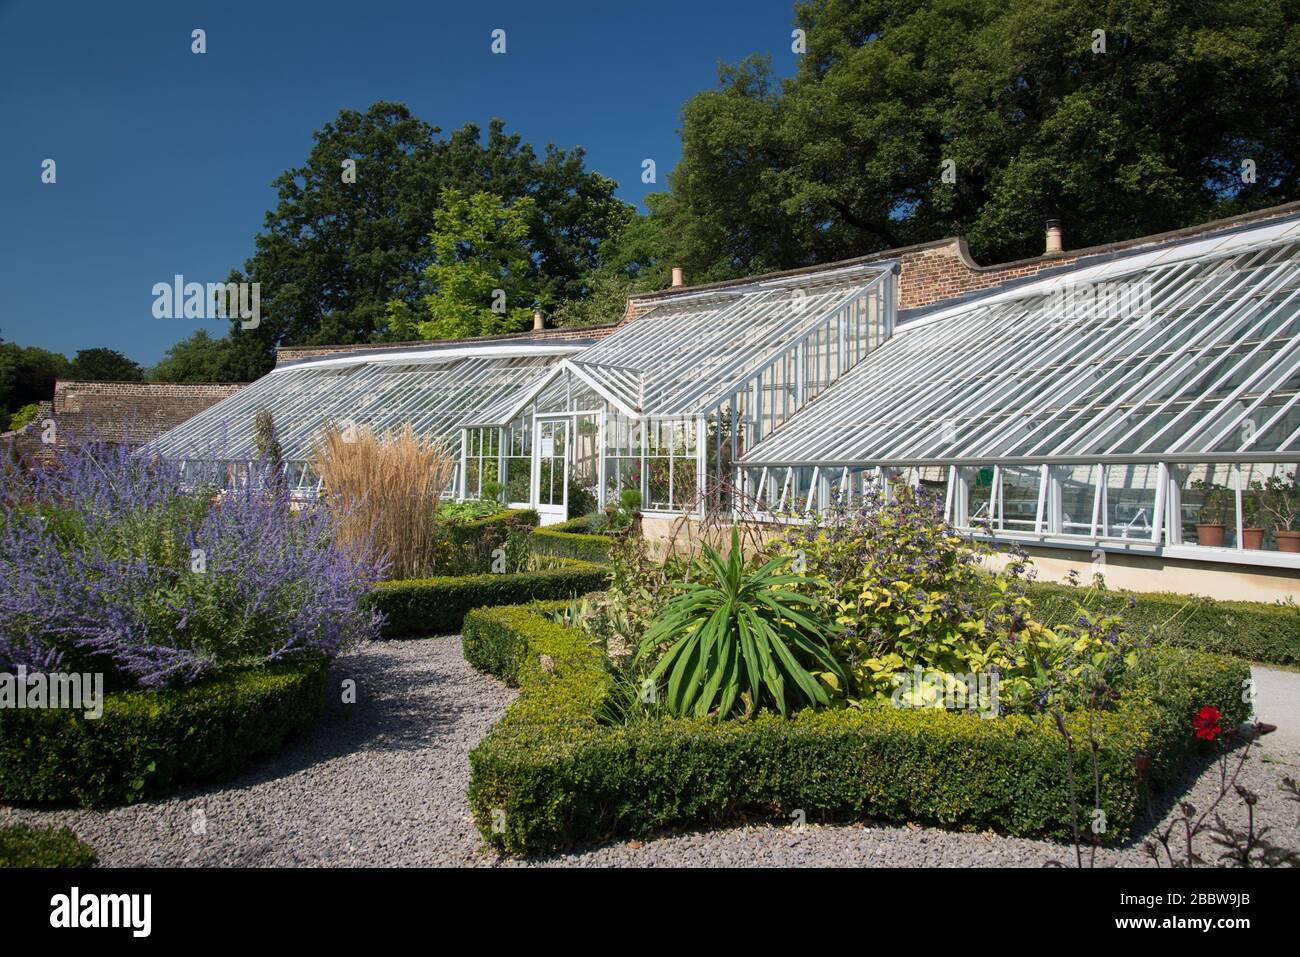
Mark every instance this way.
x=165 y=159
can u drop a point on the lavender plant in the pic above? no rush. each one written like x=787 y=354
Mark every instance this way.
x=110 y=562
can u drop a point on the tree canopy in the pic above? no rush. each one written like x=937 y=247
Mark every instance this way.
x=107 y=365
x=1121 y=119
x=479 y=277
x=347 y=239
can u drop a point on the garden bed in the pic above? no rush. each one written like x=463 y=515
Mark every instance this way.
x=438 y=606
x=147 y=742
x=553 y=773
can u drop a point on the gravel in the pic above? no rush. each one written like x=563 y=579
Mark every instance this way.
x=382 y=783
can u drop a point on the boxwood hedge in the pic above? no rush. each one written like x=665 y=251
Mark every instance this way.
x=550 y=774
x=437 y=606
x=1257 y=631
x=564 y=540
x=146 y=742
x=25 y=846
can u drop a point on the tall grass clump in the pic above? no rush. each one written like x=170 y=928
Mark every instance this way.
x=385 y=493
x=111 y=562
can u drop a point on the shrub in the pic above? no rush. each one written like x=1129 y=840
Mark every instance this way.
x=1257 y=631
x=470 y=544
x=562 y=777
x=146 y=742
x=111 y=563
x=384 y=493
x=572 y=539
x=24 y=846
x=907 y=591
x=740 y=640
x=437 y=606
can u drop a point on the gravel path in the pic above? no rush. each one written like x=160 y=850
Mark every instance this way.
x=382 y=782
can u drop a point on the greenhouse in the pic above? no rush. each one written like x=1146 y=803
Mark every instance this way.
x=1144 y=399
x=665 y=405
x=435 y=390
x=1152 y=399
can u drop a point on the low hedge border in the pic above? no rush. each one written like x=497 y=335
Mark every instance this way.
x=561 y=541
x=469 y=533
x=147 y=742
x=562 y=778
x=24 y=846
x=420 y=607
x=1256 y=631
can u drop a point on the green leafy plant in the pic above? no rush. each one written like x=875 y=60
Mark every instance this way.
x=739 y=639
x=1215 y=501
x=1281 y=502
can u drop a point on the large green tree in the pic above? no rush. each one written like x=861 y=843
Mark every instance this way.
x=199 y=358
x=350 y=230
x=27 y=375
x=104 y=365
x=1121 y=118
x=479 y=277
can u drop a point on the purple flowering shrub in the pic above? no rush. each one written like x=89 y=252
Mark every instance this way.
x=110 y=562
x=905 y=590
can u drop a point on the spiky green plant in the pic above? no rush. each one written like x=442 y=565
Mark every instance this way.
x=740 y=640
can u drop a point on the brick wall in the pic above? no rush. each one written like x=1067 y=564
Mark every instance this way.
x=131 y=412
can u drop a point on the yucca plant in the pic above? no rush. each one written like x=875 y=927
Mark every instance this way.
x=740 y=640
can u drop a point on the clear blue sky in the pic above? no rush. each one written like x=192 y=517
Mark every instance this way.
x=165 y=158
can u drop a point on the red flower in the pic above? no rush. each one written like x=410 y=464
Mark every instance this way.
x=1206 y=723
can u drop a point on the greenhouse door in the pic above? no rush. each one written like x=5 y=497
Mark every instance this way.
x=550 y=468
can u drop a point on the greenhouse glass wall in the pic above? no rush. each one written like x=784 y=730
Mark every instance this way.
x=1149 y=400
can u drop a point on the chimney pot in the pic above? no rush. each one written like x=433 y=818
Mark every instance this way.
x=678 y=280
x=1053 y=237
x=539 y=321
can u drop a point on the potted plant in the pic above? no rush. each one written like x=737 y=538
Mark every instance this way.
x=1209 y=518
x=1252 y=532
x=1281 y=501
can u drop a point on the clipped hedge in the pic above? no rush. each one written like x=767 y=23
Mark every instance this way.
x=469 y=533
x=1257 y=631
x=563 y=541
x=438 y=606
x=561 y=777
x=25 y=846
x=147 y=742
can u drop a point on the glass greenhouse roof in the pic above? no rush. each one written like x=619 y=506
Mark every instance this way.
x=436 y=390
x=1182 y=353
x=691 y=352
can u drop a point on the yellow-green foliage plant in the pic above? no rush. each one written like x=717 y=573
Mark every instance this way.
x=906 y=591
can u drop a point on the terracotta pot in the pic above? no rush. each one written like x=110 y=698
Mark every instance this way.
x=1252 y=537
x=1211 y=534
x=1287 y=541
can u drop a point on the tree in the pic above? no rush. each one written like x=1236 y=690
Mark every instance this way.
x=1031 y=113
x=27 y=375
x=479 y=276
x=104 y=365
x=335 y=253
x=200 y=358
